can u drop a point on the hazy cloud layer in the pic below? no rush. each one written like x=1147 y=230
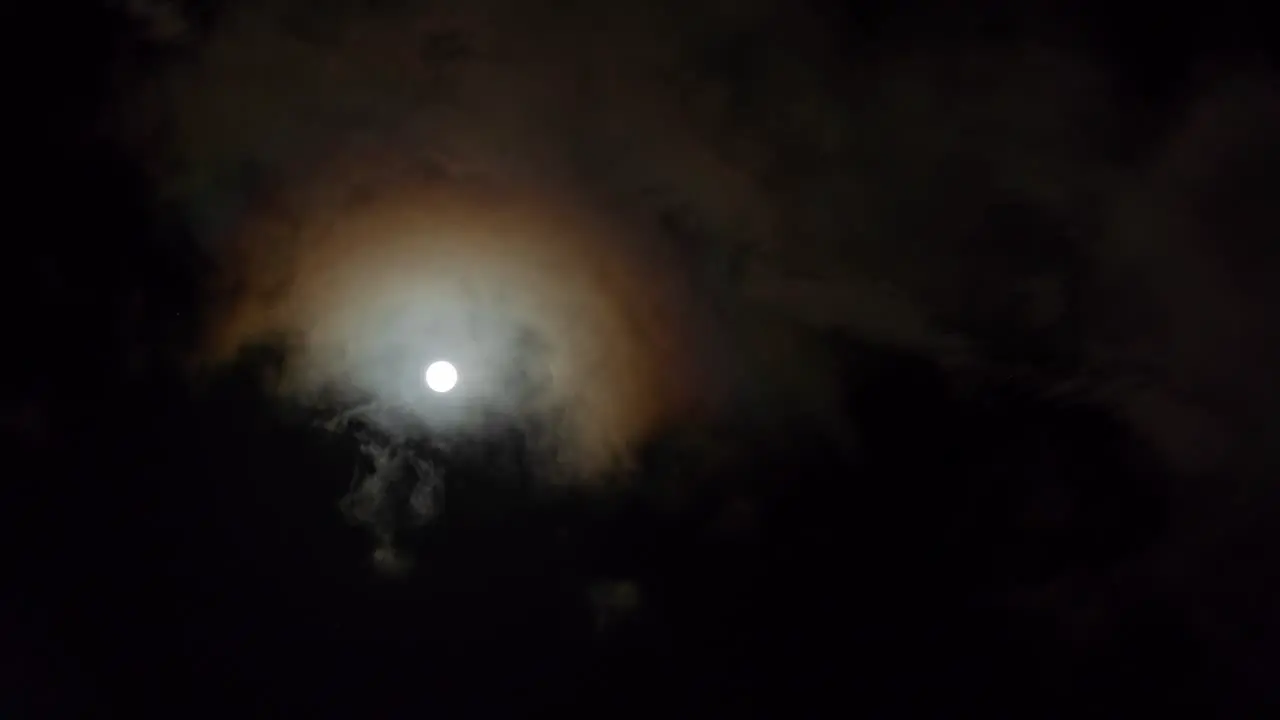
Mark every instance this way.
x=664 y=195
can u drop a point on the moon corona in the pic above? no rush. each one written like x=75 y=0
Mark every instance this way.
x=509 y=283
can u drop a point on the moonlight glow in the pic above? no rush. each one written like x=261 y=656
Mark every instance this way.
x=441 y=376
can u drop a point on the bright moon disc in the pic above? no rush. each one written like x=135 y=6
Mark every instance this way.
x=441 y=376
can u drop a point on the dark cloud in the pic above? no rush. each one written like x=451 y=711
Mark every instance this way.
x=671 y=196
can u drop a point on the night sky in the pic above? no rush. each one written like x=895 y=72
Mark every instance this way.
x=815 y=358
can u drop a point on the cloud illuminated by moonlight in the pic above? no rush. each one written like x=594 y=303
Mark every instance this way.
x=544 y=310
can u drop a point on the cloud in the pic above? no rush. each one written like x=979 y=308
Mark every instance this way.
x=388 y=188
x=664 y=198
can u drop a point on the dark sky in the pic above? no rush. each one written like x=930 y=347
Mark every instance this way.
x=671 y=221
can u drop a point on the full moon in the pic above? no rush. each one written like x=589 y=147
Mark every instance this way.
x=441 y=376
